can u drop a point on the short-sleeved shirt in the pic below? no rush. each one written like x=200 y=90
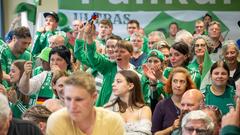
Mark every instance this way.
x=222 y=101
x=107 y=123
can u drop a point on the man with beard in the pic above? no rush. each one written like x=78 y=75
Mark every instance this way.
x=16 y=49
x=191 y=100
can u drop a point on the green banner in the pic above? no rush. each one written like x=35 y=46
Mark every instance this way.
x=150 y=5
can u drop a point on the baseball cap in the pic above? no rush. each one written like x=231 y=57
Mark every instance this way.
x=53 y=14
x=156 y=53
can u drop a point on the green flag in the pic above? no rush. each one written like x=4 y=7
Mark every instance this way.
x=207 y=64
x=30 y=9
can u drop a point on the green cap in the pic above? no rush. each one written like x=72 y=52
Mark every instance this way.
x=44 y=55
x=156 y=53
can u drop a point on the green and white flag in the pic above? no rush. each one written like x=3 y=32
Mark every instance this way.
x=156 y=14
x=205 y=77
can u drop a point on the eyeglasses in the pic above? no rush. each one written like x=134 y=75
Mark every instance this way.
x=200 y=45
x=198 y=131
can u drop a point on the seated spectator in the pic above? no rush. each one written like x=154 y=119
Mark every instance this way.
x=80 y=116
x=231 y=121
x=191 y=100
x=11 y=126
x=215 y=114
x=197 y=122
x=40 y=85
x=18 y=101
x=38 y=115
x=168 y=110
x=130 y=104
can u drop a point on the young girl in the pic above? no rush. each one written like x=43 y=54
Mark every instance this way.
x=18 y=102
x=130 y=104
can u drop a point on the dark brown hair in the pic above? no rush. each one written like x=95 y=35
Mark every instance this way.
x=134 y=21
x=22 y=32
x=135 y=96
x=222 y=64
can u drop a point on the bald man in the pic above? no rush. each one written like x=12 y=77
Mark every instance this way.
x=56 y=40
x=191 y=100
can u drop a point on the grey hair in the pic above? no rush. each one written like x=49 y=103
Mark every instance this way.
x=183 y=35
x=161 y=44
x=208 y=41
x=198 y=115
x=159 y=34
x=227 y=44
x=136 y=34
x=4 y=106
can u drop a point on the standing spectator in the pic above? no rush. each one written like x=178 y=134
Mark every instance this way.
x=132 y=27
x=104 y=30
x=214 y=32
x=107 y=68
x=201 y=44
x=164 y=48
x=173 y=28
x=180 y=57
x=16 y=49
x=207 y=18
x=154 y=37
x=44 y=32
x=138 y=56
x=199 y=28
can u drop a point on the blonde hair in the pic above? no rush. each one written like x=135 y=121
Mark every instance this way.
x=82 y=79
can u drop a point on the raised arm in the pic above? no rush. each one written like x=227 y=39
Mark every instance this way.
x=98 y=61
x=28 y=85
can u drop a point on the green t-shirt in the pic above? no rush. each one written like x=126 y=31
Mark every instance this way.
x=7 y=58
x=222 y=101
